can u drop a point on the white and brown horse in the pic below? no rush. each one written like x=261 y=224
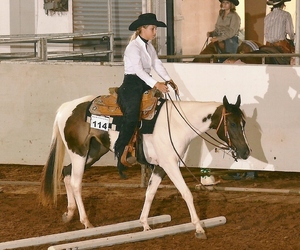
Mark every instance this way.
x=177 y=124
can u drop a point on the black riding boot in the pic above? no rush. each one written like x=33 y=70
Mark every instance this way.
x=125 y=135
x=121 y=168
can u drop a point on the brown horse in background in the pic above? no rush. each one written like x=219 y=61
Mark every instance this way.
x=246 y=47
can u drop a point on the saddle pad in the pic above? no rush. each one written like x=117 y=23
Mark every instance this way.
x=252 y=44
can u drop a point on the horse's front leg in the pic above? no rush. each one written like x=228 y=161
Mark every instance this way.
x=155 y=179
x=176 y=177
x=78 y=164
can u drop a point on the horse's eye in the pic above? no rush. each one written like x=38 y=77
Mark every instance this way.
x=232 y=124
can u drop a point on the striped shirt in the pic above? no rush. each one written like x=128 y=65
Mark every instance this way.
x=278 y=24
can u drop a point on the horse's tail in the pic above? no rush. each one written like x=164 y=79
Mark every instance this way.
x=51 y=176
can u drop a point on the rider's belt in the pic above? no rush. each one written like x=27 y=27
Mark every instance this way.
x=135 y=74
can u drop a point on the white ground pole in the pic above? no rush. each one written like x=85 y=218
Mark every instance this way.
x=140 y=236
x=54 y=238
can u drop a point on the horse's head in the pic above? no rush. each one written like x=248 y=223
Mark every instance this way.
x=229 y=121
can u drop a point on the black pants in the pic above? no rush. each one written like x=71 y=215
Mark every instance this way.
x=130 y=95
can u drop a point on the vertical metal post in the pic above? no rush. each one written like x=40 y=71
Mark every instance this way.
x=170 y=28
x=34 y=49
x=43 y=49
x=297 y=40
x=143 y=176
x=144 y=6
x=148 y=8
x=111 y=37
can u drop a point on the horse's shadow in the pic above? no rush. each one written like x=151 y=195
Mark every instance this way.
x=267 y=126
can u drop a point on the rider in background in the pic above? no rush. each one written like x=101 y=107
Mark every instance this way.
x=225 y=34
x=278 y=24
x=139 y=57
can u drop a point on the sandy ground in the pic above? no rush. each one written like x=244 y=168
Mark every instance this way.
x=254 y=220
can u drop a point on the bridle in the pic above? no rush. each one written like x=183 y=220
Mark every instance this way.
x=223 y=147
x=226 y=133
x=223 y=118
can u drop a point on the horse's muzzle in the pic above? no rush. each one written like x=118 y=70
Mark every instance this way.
x=243 y=153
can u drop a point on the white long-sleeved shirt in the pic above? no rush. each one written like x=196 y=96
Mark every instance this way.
x=139 y=60
x=278 y=23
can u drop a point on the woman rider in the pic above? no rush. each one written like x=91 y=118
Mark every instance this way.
x=139 y=57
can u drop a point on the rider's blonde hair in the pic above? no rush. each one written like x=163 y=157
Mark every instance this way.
x=137 y=32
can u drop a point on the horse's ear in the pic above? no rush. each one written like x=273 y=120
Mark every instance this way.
x=225 y=101
x=238 y=101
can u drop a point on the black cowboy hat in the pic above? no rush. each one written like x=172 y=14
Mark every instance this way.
x=275 y=2
x=235 y=2
x=146 y=19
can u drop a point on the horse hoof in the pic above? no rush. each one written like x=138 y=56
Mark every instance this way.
x=201 y=236
x=89 y=225
x=65 y=218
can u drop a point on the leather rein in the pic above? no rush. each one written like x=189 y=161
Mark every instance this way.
x=225 y=147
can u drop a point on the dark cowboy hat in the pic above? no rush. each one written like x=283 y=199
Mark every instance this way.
x=275 y=2
x=235 y=2
x=146 y=19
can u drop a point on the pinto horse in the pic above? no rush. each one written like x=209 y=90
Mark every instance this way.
x=247 y=47
x=177 y=124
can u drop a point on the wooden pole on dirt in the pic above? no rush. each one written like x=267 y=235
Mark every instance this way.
x=53 y=238
x=139 y=236
x=254 y=190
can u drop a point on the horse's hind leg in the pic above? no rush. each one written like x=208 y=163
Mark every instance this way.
x=156 y=177
x=67 y=216
x=75 y=176
x=78 y=164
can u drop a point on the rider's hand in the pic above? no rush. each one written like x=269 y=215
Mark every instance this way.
x=162 y=87
x=174 y=86
x=214 y=39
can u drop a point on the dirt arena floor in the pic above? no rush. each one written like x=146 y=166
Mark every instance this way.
x=254 y=220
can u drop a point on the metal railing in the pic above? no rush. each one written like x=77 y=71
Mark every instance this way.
x=90 y=47
x=236 y=56
x=67 y=46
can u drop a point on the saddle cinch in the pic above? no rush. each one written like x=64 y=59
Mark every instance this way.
x=107 y=105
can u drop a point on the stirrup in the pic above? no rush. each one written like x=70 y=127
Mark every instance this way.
x=126 y=160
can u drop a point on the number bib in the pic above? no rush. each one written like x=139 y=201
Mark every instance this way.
x=100 y=122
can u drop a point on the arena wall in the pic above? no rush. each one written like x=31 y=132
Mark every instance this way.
x=30 y=94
